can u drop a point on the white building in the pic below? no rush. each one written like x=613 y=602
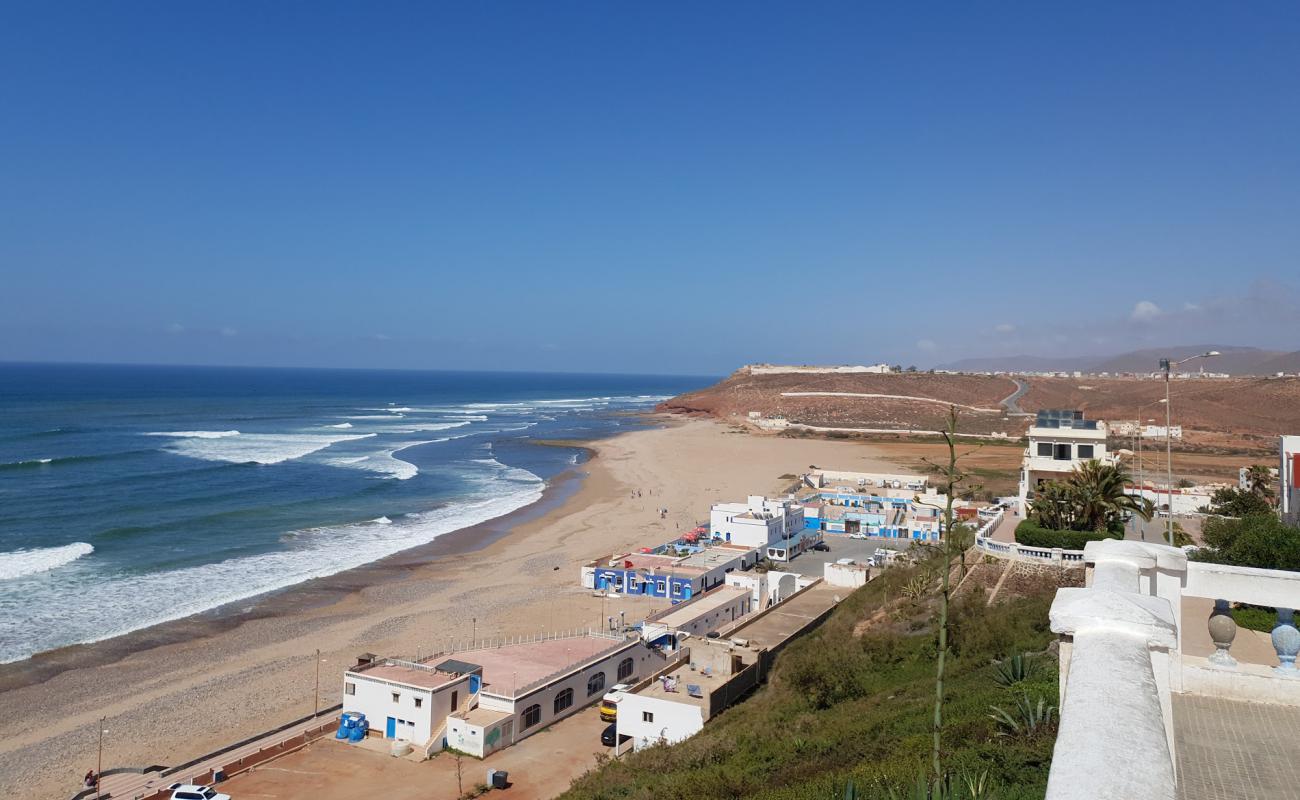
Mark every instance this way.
x=756 y=523
x=1289 y=478
x=1059 y=440
x=480 y=700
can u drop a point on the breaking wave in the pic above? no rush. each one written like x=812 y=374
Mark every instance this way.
x=20 y=563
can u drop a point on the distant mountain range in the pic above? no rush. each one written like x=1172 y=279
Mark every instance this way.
x=1234 y=361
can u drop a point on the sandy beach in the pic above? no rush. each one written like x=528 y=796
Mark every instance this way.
x=183 y=689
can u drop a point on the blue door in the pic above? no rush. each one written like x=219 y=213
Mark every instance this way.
x=391 y=730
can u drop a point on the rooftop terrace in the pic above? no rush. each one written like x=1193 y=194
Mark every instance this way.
x=684 y=613
x=512 y=667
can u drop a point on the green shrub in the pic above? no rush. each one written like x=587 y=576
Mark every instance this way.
x=1030 y=534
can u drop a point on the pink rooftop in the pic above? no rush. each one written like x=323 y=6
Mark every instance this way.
x=516 y=665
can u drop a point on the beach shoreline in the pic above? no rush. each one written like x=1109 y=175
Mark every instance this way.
x=183 y=689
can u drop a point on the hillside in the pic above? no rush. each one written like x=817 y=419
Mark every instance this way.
x=853 y=701
x=910 y=401
x=1228 y=414
x=1234 y=361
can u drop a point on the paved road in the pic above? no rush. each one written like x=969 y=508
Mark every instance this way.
x=1012 y=401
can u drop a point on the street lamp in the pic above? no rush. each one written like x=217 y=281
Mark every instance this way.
x=1168 y=365
x=1138 y=436
x=99 y=761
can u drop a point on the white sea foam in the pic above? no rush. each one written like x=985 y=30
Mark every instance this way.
x=340 y=425
x=196 y=434
x=257 y=448
x=55 y=611
x=382 y=521
x=376 y=416
x=19 y=563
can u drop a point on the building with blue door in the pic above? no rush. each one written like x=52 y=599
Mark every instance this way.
x=676 y=578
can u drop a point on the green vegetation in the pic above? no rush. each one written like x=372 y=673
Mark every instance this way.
x=1030 y=533
x=853 y=702
x=1228 y=502
x=1256 y=541
x=1255 y=618
x=1091 y=499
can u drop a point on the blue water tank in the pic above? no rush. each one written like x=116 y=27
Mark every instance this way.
x=474 y=682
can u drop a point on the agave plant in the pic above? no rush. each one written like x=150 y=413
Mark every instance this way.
x=1025 y=719
x=1016 y=669
x=917 y=587
x=963 y=786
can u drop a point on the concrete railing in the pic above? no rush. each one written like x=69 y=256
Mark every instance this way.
x=1123 y=658
x=1115 y=697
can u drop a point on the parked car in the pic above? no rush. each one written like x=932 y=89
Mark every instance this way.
x=609 y=703
x=608 y=735
x=193 y=791
x=857 y=536
x=822 y=546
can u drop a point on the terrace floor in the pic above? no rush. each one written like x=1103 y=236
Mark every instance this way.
x=1231 y=750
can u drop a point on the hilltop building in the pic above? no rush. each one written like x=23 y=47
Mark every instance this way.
x=1060 y=440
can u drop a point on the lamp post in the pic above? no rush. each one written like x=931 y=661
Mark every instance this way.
x=316 y=703
x=1168 y=365
x=99 y=760
x=1138 y=436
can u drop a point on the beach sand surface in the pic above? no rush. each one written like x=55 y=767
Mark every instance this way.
x=181 y=690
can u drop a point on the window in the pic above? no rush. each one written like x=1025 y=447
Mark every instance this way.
x=563 y=700
x=396 y=697
x=532 y=715
x=1045 y=449
x=647 y=716
x=595 y=683
x=625 y=668
x=1062 y=452
x=1085 y=451
x=349 y=688
x=419 y=702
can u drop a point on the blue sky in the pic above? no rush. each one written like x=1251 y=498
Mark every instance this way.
x=658 y=187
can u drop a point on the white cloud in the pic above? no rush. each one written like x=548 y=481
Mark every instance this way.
x=926 y=345
x=1005 y=327
x=1145 y=311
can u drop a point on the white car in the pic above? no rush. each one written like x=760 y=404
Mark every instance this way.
x=192 y=791
x=857 y=536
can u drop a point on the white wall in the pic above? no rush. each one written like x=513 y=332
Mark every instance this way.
x=374 y=698
x=851 y=575
x=672 y=721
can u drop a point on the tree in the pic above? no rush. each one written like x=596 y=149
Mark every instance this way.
x=1228 y=502
x=1262 y=541
x=1259 y=480
x=1093 y=498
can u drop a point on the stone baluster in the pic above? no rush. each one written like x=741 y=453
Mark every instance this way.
x=1286 y=641
x=1223 y=629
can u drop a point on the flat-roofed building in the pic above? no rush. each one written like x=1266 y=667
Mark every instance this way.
x=1059 y=441
x=480 y=700
x=757 y=522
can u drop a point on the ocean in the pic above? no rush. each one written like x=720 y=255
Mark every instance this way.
x=132 y=495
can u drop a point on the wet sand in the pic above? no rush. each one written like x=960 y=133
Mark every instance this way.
x=184 y=688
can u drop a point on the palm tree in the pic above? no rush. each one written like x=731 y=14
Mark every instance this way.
x=1099 y=496
x=1093 y=498
x=1259 y=479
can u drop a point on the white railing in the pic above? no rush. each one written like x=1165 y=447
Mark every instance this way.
x=1123 y=656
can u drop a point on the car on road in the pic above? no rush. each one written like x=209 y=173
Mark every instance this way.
x=857 y=536
x=822 y=546
x=193 y=791
x=610 y=733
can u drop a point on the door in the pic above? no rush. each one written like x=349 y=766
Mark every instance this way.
x=391 y=729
